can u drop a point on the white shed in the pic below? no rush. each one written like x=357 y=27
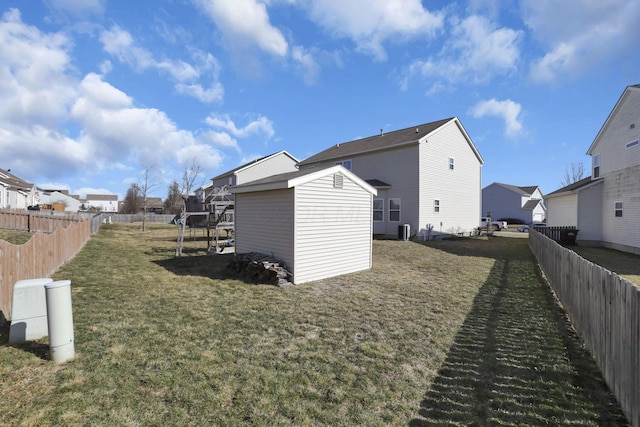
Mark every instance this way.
x=319 y=222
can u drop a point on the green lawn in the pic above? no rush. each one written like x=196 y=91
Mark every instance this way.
x=15 y=237
x=455 y=332
x=625 y=264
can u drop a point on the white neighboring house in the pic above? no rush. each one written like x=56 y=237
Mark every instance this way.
x=15 y=193
x=428 y=174
x=101 y=202
x=608 y=213
x=277 y=163
x=319 y=222
x=510 y=201
x=71 y=204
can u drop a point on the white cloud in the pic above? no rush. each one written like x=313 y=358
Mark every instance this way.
x=221 y=139
x=120 y=44
x=245 y=23
x=476 y=51
x=370 y=23
x=260 y=126
x=506 y=110
x=581 y=34
x=307 y=64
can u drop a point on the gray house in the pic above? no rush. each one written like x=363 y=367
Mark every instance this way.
x=317 y=221
x=606 y=206
x=425 y=175
x=525 y=204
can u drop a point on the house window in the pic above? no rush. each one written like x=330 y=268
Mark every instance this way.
x=345 y=163
x=618 y=210
x=378 y=209
x=596 y=166
x=394 y=210
x=632 y=143
x=436 y=206
x=451 y=163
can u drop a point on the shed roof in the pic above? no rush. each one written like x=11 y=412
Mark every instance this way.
x=386 y=140
x=293 y=179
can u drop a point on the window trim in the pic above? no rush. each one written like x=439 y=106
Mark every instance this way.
x=436 y=206
x=399 y=210
x=381 y=210
x=342 y=163
x=617 y=209
x=632 y=144
x=595 y=166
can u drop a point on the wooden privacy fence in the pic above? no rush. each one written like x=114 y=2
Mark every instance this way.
x=41 y=256
x=604 y=308
x=31 y=221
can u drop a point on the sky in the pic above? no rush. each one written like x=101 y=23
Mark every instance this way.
x=93 y=93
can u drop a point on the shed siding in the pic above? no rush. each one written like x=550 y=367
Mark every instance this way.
x=398 y=167
x=458 y=190
x=280 y=163
x=333 y=229
x=562 y=211
x=590 y=215
x=264 y=223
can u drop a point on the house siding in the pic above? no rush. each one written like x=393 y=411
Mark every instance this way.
x=590 y=215
x=622 y=186
x=333 y=229
x=562 y=211
x=502 y=202
x=397 y=166
x=458 y=190
x=279 y=163
x=264 y=223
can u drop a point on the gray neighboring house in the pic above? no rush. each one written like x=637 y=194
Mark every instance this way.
x=319 y=222
x=510 y=201
x=429 y=174
x=273 y=164
x=607 y=206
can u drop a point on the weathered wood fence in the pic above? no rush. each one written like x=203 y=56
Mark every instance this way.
x=604 y=308
x=42 y=255
x=33 y=221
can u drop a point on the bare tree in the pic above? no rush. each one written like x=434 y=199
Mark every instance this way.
x=573 y=173
x=189 y=177
x=145 y=187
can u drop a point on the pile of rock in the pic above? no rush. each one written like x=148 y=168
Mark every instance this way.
x=260 y=268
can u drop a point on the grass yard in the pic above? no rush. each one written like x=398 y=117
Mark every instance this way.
x=625 y=264
x=15 y=237
x=460 y=332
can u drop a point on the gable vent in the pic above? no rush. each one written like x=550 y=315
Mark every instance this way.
x=632 y=126
x=338 y=180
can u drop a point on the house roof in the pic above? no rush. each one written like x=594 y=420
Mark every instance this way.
x=293 y=179
x=102 y=197
x=625 y=93
x=386 y=140
x=574 y=187
x=13 y=181
x=251 y=163
x=531 y=204
x=528 y=189
x=377 y=183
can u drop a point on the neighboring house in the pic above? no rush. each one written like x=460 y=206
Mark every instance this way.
x=319 y=222
x=608 y=213
x=428 y=174
x=504 y=201
x=201 y=194
x=101 y=202
x=155 y=205
x=15 y=193
x=280 y=162
x=54 y=197
x=578 y=205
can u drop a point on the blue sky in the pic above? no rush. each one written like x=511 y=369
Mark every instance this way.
x=93 y=92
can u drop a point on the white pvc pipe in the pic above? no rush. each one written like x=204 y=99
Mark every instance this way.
x=60 y=320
